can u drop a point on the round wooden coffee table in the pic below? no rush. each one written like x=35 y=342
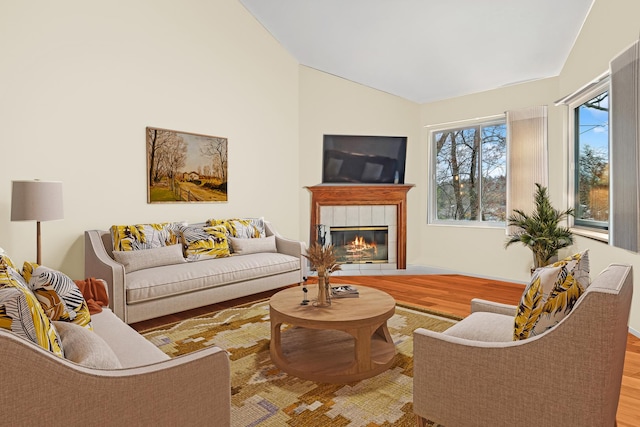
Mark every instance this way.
x=347 y=341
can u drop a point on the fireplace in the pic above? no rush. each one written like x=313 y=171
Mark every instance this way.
x=360 y=245
x=364 y=205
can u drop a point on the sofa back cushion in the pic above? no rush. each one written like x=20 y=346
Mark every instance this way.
x=145 y=236
x=148 y=258
x=205 y=242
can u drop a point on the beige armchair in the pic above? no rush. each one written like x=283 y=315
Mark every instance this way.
x=474 y=374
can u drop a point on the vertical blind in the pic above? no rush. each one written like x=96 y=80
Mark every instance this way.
x=527 y=161
x=624 y=162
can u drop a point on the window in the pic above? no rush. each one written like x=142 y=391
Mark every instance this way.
x=589 y=116
x=469 y=181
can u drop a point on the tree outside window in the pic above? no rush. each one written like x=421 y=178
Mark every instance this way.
x=470 y=173
x=592 y=169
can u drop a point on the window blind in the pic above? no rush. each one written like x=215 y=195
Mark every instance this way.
x=624 y=148
x=527 y=157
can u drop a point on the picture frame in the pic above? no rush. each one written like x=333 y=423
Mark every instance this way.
x=185 y=167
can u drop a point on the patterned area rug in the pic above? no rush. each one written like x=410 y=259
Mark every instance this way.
x=262 y=395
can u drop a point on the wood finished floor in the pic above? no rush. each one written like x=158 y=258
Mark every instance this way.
x=448 y=294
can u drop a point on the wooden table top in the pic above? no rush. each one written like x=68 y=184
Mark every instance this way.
x=370 y=306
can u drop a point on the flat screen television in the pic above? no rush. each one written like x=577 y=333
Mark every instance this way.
x=363 y=159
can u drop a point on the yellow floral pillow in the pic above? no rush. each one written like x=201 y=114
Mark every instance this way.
x=5 y=261
x=21 y=313
x=243 y=228
x=551 y=295
x=59 y=296
x=145 y=236
x=205 y=242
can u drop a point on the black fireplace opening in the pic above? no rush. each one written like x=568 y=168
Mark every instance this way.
x=360 y=245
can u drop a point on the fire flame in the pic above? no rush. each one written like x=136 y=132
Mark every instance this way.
x=359 y=244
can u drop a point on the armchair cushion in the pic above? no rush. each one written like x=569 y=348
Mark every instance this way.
x=484 y=326
x=21 y=313
x=5 y=261
x=85 y=347
x=551 y=295
x=59 y=296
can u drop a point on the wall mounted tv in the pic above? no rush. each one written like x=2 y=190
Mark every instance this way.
x=363 y=159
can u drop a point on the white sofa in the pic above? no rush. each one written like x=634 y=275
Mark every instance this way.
x=158 y=291
x=145 y=388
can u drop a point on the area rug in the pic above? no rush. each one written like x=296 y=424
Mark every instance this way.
x=262 y=395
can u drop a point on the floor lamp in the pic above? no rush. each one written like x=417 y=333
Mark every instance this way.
x=36 y=201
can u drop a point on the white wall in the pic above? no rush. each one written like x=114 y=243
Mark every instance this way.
x=81 y=81
x=332 y=105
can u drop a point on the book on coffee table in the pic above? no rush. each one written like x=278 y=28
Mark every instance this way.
x=344 y=291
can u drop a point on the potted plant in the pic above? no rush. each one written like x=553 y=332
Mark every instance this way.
x=541 y=231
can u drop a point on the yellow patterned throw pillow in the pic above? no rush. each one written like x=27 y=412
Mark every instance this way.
x=21 y=313
x=59 y=296
x=247 y=228
x=205 y=242
x=551 y=295
x=5 y=261
x=145 y=236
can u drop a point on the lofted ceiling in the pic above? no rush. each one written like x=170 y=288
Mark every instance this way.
x=427 y=50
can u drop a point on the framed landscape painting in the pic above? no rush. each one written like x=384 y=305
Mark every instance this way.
x=185 y=167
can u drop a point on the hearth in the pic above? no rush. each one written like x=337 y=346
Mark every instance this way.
x=360 y=245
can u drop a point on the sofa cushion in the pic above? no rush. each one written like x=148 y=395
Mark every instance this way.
x=147 y=258
x=242 y=227
x=59 y=296
x=85 y=347
x=161 y=282
x=131 y=348
x=145 y=236
x=21 y=313
x=551 y=295
x=205 y=242
x=483 y=326
x=242 y=246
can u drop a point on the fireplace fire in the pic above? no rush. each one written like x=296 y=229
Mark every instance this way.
x=360 y=245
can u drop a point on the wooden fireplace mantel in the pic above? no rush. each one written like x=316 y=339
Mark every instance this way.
x=364 y=194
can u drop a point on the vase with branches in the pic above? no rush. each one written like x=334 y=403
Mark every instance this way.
x=323 y=259
x=542 y=231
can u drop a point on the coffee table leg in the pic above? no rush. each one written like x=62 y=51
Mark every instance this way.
x=275 y=346
x=383 y=331
x=362 y=348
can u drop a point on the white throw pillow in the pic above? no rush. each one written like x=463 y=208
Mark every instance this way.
x=85 y=347
x=147 y=258
x=252 y=246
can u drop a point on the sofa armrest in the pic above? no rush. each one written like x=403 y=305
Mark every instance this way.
x=188 y=390
x=289 y=247
x=99 y=264
x=478 y=304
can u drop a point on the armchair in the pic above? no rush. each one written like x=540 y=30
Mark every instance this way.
x=474 y=374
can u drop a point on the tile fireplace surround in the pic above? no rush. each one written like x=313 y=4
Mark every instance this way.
x=363 y=205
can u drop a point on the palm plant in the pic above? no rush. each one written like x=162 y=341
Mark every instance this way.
x=541 y=231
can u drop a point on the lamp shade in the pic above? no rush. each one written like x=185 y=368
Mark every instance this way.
x=36 y=201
